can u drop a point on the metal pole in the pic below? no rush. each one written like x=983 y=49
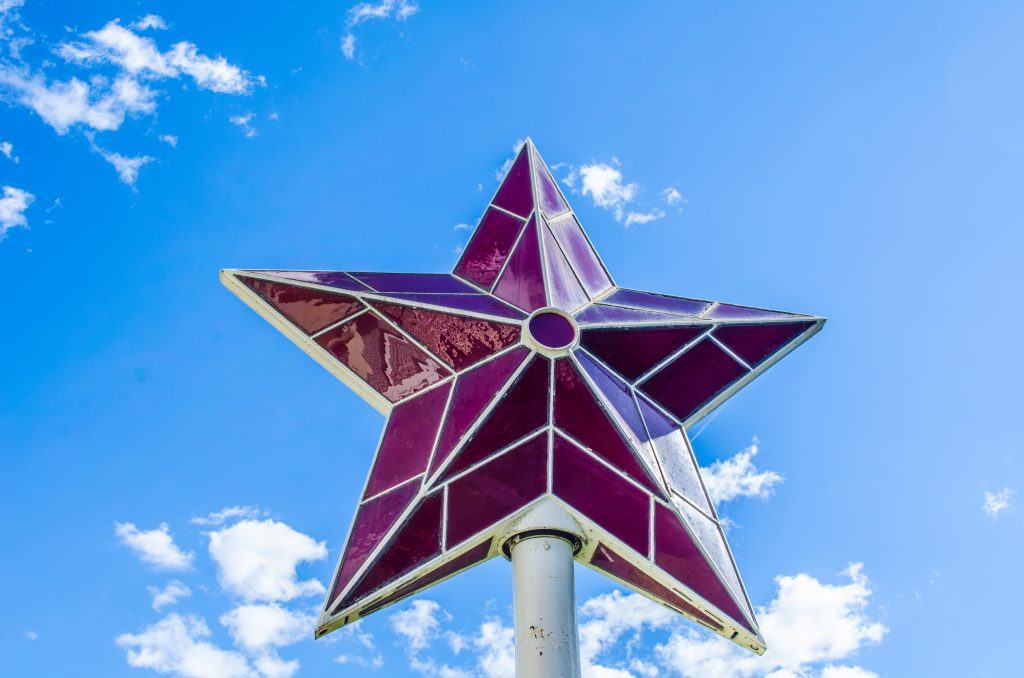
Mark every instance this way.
x=547 y=645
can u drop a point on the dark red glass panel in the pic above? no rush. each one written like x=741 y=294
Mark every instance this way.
x=382 y=357
x=674 y=454
x=552 y=329
x=692 y=379
x=339 y=279
x=581 y=255
x=601 y=495
x=310 y=309
x=474 y=303
x=733 y=312
x=633 y=351
x=619 y=315
x=550 y=199
x=564 y=290
x=489 y=247
x=756 y=343
x=493 y=491
x=657 y=302
x=515 y=193
x=522 y=282
x=415 y=282
x=408 y=439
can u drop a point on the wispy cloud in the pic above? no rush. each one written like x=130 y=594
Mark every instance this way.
x=169 y=139
x=155 y=547
x=7 y=148
x=13 y=205
x=169 y=594
x=244 y=120
x=672 y=196
x=397 y=10
x=605 y=184
x=997 y=502
x=738 y=476
x=150 y=22
x=229 y=514
x=179 y=645
x=127 y=167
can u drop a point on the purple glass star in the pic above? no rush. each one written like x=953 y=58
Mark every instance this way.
x=525 y=375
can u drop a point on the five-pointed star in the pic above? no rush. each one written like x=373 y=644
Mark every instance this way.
x=528 y=375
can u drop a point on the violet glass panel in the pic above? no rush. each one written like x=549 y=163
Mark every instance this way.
x=598 y=493
x=579 y=415
x=408 y=439
x=458 y=340
x=338 y=279
x=733 y=312
x=684 y=385
x=309 y=309
x=633 y=351
x=756 y=343
x=494 y=491
x=474 y=390
x=382 y=357
x=522 y=282
x=489 y=247
x=581 y=255
x=552 y=330
x=415 y=282
x=601 y=313
x=515 y=193
x=474 y=303
x=550 y=199
x=657 y=302
x=564 y=290
x=674 y=455
x=523 y=409
x=372 y=522
x=416 y=542
x=676 y=553
x=608 y=561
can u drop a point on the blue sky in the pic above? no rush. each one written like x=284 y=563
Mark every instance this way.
x=862 y=162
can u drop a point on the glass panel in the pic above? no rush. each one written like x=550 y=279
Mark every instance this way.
x=515 y=193
x=692 y=379
x=338 y=279
x=552 y=329
x=600 y=313
x=633 y=351
x=496 y=489
x=581 y=255
x=675 y=456
x=459 y=341
x=550 y=199
x=414 y=282
x=522 y=283
x=564 y=289
x=489 y=247
x=756 y=343
x=408 y=439
x=657 y=302
x=601 y=495
x=733 y=312
x=386 y=360
x=311 y=310
x=475 y=303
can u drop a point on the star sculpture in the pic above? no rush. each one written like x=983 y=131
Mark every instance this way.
x=525 y=375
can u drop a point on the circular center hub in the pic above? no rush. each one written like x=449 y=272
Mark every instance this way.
x=552 y=330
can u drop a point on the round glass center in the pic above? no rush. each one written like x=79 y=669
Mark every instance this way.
x=552 y=330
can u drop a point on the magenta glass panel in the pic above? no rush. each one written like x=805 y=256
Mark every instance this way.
x=408 y=439
x=756 y=343
x=733 y=312
x=515 y=193
x=601 y=313
x=608 y=561
x=550 y=199
x=674 y=455
x=489 y=247
x=338 y=279
x=474 y=303
x=692 y=379
x=552 y=329
x=416 y=542
x=474 y=390
x=494 y=491
x=458 y=340
x=676 y=553
x=633 y=351
x=372 y=522
x=578 y=414
x=598 y=493
x=657 y=302
x=564 y=290
x=415 y=282
x=309 y=309
x=382 y=357
x=581 y=255
x=523 y=409
x=522 y=283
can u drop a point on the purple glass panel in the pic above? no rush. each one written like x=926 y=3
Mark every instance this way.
x=372 y=522
x=474 y=303
x=733 y=312
x=581 y=255
x=684 y=385
x=657 y=302
x=675 y=457
x=474 y=390
x=579 y=415
x=416 y=542
x=756 y=343
x=601 y=495
x=458 y=340
x=564 y=290
x=600 y=313
x=551 y=329
x=382 y=357
x=522 y=410
x=309 y=309
x=494 y=491
x=550 y=199
x=415 y=282
x=522 y=283
x=338 y=279
x=489 y=247
x=677 y=554
x=633 y=351
x=408 y=439
x=608 y=561
x=515 y=193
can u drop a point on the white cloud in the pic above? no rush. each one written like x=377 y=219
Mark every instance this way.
x=363 y=658
x=177 y=645
x=229 y=514
x=169 y=139
x=606 y=618
x=7 y=148
x=495 y=643
x=831 y=671
x=995 y=502
x=265 y=626
x=257 y=560
x=31 y=635
x=399 y=10
x=127 y=167
x=244 y=121
x=418 y=624
x=155 y=547
x=671 y=195
x=604 y=183
x=169 y=594
x=635 y=218
x=500 y=173
x=64 y=104
x=737 y=476
x=150 y=22
x=462 y=226
x=272 y=666
x=13 y=204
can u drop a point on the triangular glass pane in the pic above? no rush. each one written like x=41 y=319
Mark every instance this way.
x=675 y=456
x=693 y=379
x=733 y=312
x=618 y=315
x=564 y=290
x=522 y=282
x=757 y=343
x=311 y=310
x=581 y=255
x=633 y=351
x=550 y=198
x=436 y=283
x=657 y=302
x=474 y=303
x=489 y=247
x=339 y=279
x=515 y=193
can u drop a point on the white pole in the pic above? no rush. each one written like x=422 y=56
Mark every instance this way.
x=545 y=609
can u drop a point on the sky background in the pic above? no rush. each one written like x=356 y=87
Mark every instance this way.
x=861 y=161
